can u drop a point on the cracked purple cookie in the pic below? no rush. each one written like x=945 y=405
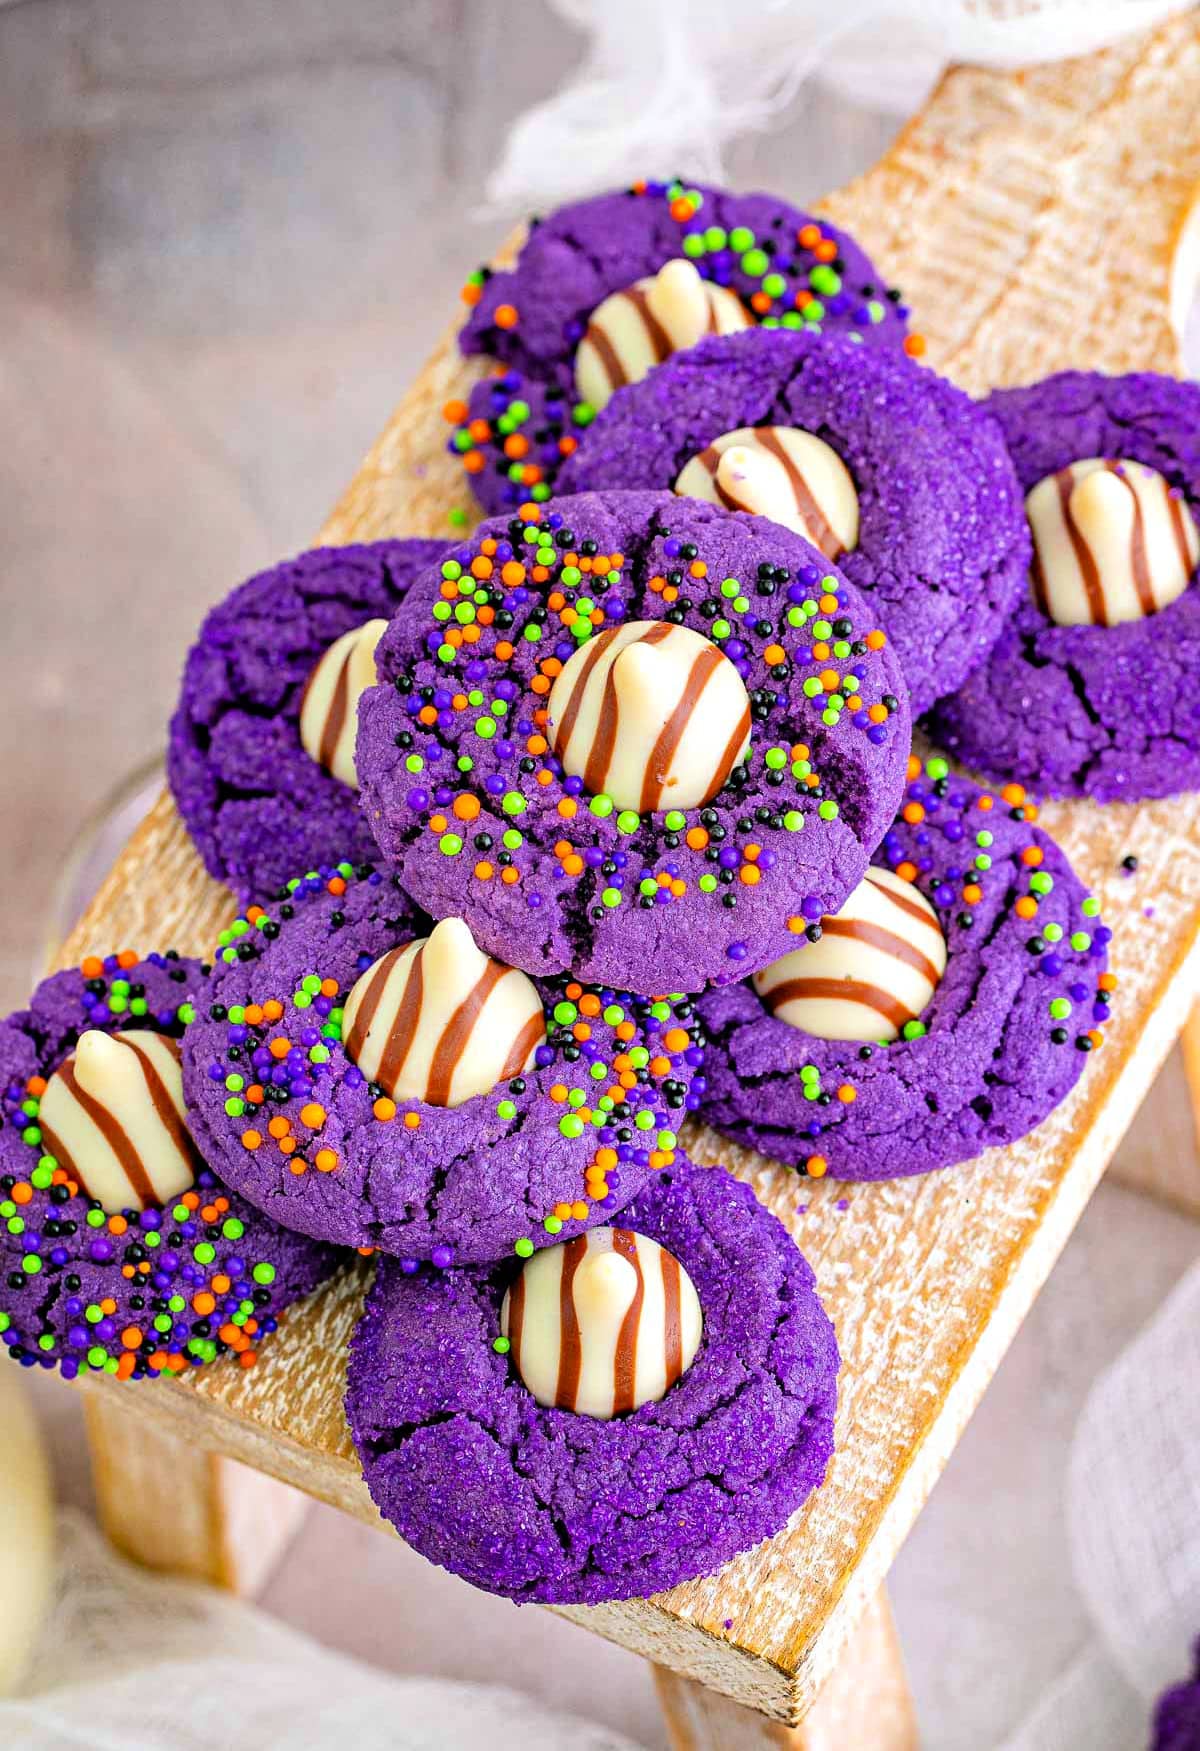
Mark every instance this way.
x=559 y=1431
x=631 y=736
x=1092 y=688
x=121 y=1251
x=948 y=1007
x=891 y=471
x=260 y=756
x=604 y=289
x=370 y=1079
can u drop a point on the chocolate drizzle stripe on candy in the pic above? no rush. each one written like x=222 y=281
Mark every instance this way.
x=1101 y=592
x=878 y=936
x=123 y=1147
x=568 y=1347
x=625 y=1358
x=809 y=509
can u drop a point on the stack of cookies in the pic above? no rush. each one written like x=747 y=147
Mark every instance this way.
x=606 y=815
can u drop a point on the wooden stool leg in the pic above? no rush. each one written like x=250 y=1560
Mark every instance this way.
x=1160 y=1154
x=864 y=1705
x=169 y=1506
x=1189 y=1042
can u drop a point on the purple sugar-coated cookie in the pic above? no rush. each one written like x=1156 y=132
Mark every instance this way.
x=943 y=549
x=583 y=252
x=1177 y=1716
x=258 y=807
x=703 y=916
x=465 y=1183
x=555 y=1507
x=65 y=1299
x=1111 y=712
x=998 y=1050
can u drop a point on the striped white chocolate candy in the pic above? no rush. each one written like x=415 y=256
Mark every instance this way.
x=876 y=966
x=439 y=1021
x=1110 y=543
x=782 y=473
x=112 y=1115
x=329 y=708
x=602 y=1324
x=634 y=330
x=653 y=715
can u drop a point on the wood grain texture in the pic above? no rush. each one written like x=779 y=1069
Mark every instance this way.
x=1031 y=219
x=865 y=1703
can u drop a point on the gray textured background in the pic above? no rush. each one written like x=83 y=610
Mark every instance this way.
x=228 y=235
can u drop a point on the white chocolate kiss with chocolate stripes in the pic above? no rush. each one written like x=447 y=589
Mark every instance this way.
x=112 y=1115
x=876 y=966
x=653 y=715
x=783 y=473
x=329 y=708
x=1111 y=543
x=439 y=1021
x=632 y=331
x=603 y=1324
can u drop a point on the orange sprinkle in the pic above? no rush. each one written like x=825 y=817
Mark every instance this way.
x=697 y=838
x=750 y=874
x=907 y=871
x=914 y=345
x=21 y=1192
x=1107 y=982
x=483 y=871
x=251 y=1139
x=1032 y=856
x=412 y=1121
x=325 y=1160
x=510 y=875
x=847 y=1094
x=312 y=1114
x=454 y=412
x=505 y=316
x=972 y=893
x=986 y=803
x=203 y=1302
x=278 y=1126
x=329 y=987
x=1026 y=907
x=876 y=640
x=817 y=1166
x=126 y=959
x=914 y=767
x=558 y=1092
x=384 y=1109
x=117 y=1225
x=913 y=813
x=466 y=807
x=272 y=1009
x=91 y=967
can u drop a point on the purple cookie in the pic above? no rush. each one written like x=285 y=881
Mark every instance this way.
x=1177 y=1716
x=557 y=1507
x=1004 y=1039
x=258 y=807
x=1111 y=712
x=119 y=1294
x=786 y=268
x=463 y=1183
x=652 y=901
x=943 y=547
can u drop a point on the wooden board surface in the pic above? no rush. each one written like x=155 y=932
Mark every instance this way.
x=1035 y=221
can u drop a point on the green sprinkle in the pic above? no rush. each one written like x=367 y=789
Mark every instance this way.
x=628 y=822
x=601 y=804
x=204 y=1252
x=1060 y=1008
x=524 y=1247
x=741 y=238
x=513 y=803
x=610 y=897
x=263 y=1273
x=756 y=262
x=1080 y=940
x=553 y=1224
x=827 y=810
x=913 y=1030
x=675 y=822
x=450 y=844
x=501 y=1346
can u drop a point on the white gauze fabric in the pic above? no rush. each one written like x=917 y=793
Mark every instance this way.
x=132 y=1659
x=1133 y=1514
x=664 y=87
